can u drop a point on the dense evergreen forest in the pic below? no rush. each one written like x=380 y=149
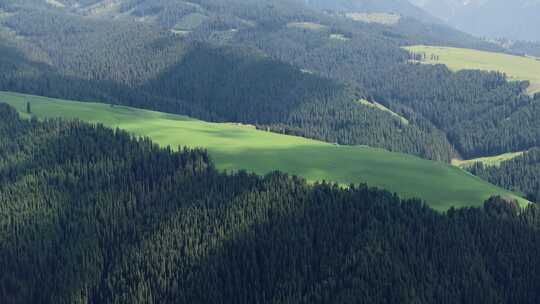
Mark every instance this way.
x=92 y=215
x=217 y=83
x=275 y=64
x=520 y=174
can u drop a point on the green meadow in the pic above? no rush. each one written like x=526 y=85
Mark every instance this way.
x=234 y=147
x=489 y=161
x=515 y=67
x=381 y=18
x=381 y=107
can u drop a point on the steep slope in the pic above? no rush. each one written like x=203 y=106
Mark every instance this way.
x=144 y=65
x=276 y=64
x=90 y=215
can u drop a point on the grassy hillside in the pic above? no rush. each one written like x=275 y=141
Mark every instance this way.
x=381 y=107
x=239 y=61
x=515 y=67
x=490 y=160
x=382 y=18
x=234 y=146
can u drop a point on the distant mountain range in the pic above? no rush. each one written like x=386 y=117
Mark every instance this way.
x=401 y=7
x=516 y=19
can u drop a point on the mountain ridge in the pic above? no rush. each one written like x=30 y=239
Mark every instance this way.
x=489 y=18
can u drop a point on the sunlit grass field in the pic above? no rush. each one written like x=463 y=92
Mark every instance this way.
x=235 y=147
x=515 y=67
x=489 y=161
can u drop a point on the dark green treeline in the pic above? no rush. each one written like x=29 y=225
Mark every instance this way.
x=520 y=174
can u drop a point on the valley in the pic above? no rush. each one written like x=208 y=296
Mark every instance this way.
x=235 y=147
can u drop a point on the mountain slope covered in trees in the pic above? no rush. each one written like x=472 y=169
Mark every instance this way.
x=521 y=173
x=141 y=65
x=91 y=215
x=276 y=64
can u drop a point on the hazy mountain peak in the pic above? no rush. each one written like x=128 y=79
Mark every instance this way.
x=400 y=7
x=517 y=19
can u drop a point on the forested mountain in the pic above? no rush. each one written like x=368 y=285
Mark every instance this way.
x=280 y=65
x=521 y=174
x=94 y=215
x=272 y=95
x=142 y=65
x=91 y=215
x=516 y=19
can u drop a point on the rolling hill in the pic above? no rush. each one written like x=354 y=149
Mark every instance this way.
x=274 y=64
x=515 y=67
x=235 y=147
x=261 y=152
x=93 y=215
x=219 y=72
